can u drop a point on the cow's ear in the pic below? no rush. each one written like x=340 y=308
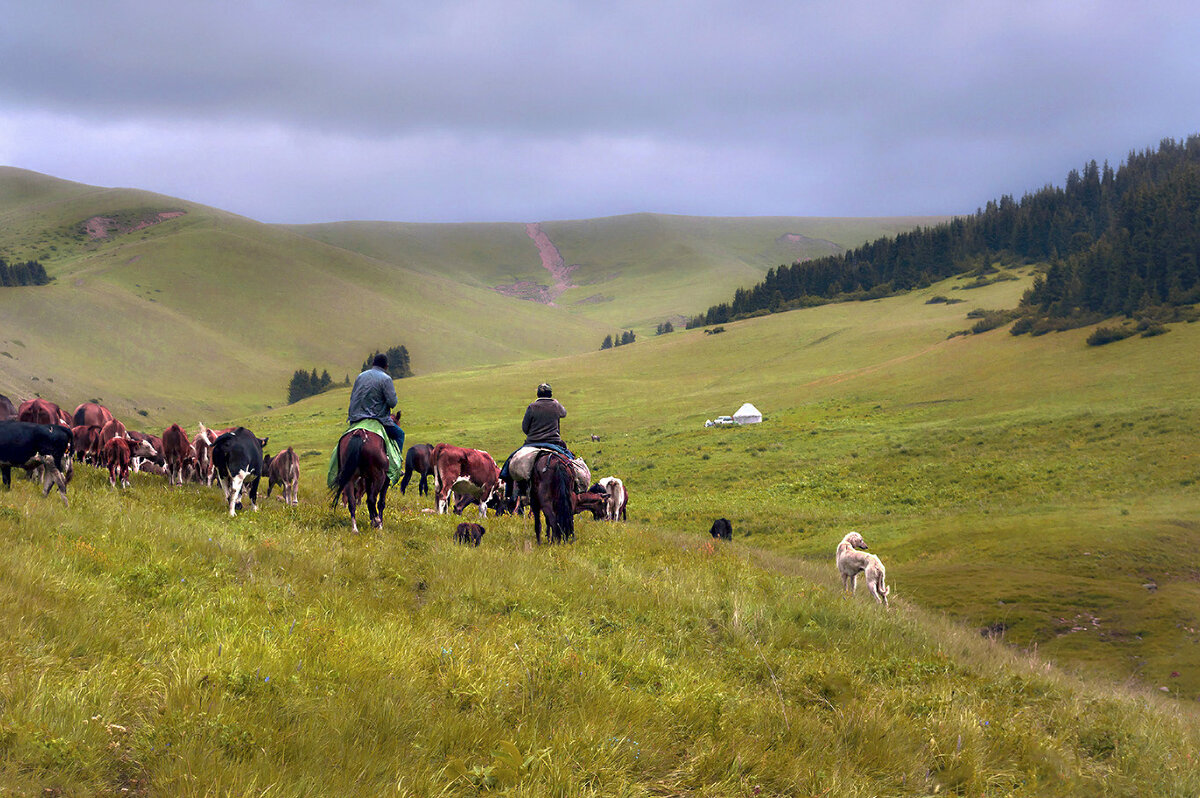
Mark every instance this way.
x=263 y=441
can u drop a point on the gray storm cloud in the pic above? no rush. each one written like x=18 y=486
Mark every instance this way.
x=483 y=110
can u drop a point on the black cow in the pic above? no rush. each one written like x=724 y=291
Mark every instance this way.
x=238 y=458
x=722 y=529
x=419 y=458
x=29 y=446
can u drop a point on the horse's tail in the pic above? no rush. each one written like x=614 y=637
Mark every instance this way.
x=349 y=466
x=564 y=486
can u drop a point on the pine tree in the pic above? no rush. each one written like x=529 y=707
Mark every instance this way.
x=608 y=342
x=299 y=387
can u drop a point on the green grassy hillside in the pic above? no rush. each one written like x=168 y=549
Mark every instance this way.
x=154 y=645
x=147 y=318
x=153 y=295
x=1031 y=487
x=633 y=272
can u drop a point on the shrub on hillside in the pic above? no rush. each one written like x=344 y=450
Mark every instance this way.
x=1106 y=335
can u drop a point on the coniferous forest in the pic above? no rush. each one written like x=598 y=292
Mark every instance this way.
x=1116 y=242
x=28 y=273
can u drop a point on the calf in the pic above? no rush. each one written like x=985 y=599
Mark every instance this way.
x=177 y=450
x=469 y=533
x=203 y=443
x=455 y=464
x=85 y=440
x=145 y=448
x=284 y=470
x=118 y=458
x=30 y=446
x=238 y=460
x=466 y=494
x=722 y=529
x=618 y=498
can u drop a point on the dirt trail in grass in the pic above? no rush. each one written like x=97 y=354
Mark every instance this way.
x=552 y=261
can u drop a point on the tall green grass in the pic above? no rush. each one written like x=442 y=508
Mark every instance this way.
x=156 y=646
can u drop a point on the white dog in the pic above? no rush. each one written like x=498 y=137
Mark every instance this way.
x=851 y=561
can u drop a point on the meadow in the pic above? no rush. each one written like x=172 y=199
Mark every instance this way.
x=1034 y=500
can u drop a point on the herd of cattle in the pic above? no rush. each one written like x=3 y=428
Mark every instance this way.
x=43 y=439
x=39 y=436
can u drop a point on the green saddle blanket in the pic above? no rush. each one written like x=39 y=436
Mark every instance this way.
x=395 y=456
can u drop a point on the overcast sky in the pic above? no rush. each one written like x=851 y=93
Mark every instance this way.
x=520 y=110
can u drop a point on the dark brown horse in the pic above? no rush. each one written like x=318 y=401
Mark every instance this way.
x=419 y=459
x=551 y=493
x=362 y=468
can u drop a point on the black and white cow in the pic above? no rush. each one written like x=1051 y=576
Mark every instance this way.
x=238 y=459
x=27 y=445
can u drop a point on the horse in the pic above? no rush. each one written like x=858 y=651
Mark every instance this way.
x=419 y=458
x=362 y=468
x=551 y=487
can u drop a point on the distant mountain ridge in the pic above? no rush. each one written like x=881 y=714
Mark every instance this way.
x=153 y=295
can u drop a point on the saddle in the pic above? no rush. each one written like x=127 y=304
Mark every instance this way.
x=394 y=455
x=520 y=466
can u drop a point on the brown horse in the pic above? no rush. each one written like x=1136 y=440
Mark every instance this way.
x=551 y=492
x=362 y=468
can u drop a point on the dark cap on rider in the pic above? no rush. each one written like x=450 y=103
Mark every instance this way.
x=543 y=390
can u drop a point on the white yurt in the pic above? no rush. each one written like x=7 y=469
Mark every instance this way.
x=747 y=414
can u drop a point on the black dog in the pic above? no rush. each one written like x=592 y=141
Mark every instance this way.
x=469 y=533
x=722 y=529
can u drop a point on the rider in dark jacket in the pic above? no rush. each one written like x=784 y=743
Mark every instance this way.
x=540 y=424
x=373 y=395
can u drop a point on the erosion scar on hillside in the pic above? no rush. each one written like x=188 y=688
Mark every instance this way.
x=552 y=261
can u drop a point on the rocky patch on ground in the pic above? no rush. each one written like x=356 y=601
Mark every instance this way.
x=104 y=227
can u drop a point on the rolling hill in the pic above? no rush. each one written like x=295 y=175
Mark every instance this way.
x=154 y=296
x=630 y=272
x=1033 y=499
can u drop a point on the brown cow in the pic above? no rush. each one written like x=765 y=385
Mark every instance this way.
x=113 y=429
x=283 y=469
x=118 y=459
x=596 y=502
x=145 y=447
x=469 y=469
x=7 y=409
x=90 y=413
x=86 y=442
x=41 y=411
x=177 y=450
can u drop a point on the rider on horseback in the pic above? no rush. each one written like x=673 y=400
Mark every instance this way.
x=372 y=396
x=540 y=426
